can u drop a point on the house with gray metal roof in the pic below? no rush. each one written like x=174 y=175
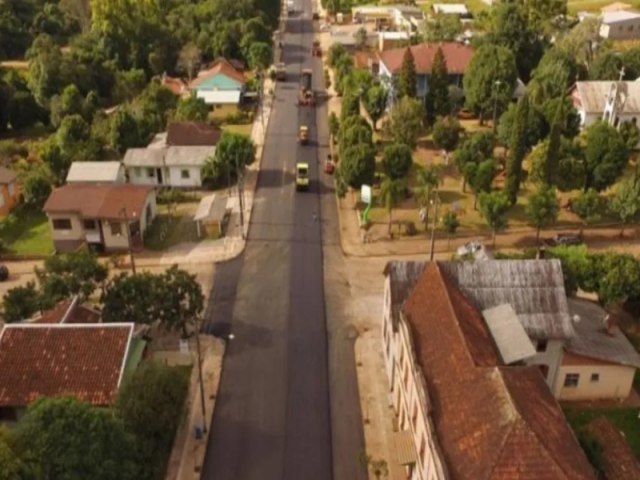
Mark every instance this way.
x=96 y=172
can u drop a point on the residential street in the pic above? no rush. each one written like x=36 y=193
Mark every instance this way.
x=275 y=416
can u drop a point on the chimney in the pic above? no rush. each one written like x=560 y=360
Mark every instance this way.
x=609 y=324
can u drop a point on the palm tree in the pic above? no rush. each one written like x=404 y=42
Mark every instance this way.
x=427 y=178
x=391 y=192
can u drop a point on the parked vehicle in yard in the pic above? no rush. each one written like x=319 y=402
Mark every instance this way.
x=302 y=176
x=563 y=239
x=469 y=248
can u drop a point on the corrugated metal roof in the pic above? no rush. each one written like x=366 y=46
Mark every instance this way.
x=144 y=157
x=212 y=207
x=94 y=172
x=592 y=95
x=619 y=16
x=534 y=288
x=507 y=331
x=405 y=448
x=592 y=340
x=168 y=156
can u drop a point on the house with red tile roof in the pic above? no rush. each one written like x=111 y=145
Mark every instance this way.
x=220 y=84
x=175 y=84
x=87 y=361
x=617 y=458
x=106 y=216
x=463 y=412
x=457 y=56
x=68 y=311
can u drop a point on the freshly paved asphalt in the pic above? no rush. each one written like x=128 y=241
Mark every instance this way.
x=273 y=417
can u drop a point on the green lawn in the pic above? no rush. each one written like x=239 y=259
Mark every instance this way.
x=168 y=231
x=26 y=233
x=626 y=419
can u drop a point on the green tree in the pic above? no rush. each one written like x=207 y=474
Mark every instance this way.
x=57 y=163
x=474 y=149
x=23 y=111
x=74 y=273
x=65 y=438
x=479 y=176
x=490 y=64
x=536 y=124
x=69 y=102
x=517 y=150
x=450 y=223
x=630 y=134
x=375 y=101
x=626 y=203
x=588 y=206
x=48 y=70
x=605 y=66
x=128 y=84
x=397 y=160
x=405 y=122
x=189 y=60
x=124 y=132
x=446 y=133
x=427 y=180
x=552 y=77
x=20 y=303
x=335 y=53
x=553 y=148
x=192 y=108
x=494 y=207
x=260 y=55
x=392 y=191
x=567 y=173
x=442 y=27
x=151 y=406
x=233 y=153
x=357 y=165
x=581 y=41
x=543 y=209
x=406 y=84
x=605 y=156
x=334 y=125
x=131 y=298
x=12 y=466
x=437 y=99
x=181 y=299
x=350 y=105
x=36 y=185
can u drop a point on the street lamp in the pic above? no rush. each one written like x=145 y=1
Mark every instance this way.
x=496 y=85
x=434 y=201
x=123 y=212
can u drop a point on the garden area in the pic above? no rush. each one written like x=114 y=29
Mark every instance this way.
x=232 y=118
x=172 y=226
x=496 y=159
x=25 y=232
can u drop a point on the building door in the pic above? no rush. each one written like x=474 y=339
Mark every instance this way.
x=159 y=176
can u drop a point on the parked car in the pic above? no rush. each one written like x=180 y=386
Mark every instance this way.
x=563 y=239
x=469 y=248
x=4 y=273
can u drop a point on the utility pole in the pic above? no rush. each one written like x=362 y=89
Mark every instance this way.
x=130 y=247
x=435 y=201
x=202 y=404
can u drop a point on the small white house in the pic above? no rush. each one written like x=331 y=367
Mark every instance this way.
x=96 y=172
x=169 y=166
x=620 y=25
x=614 y=102
x=458 y=9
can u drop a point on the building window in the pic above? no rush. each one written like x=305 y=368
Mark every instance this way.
x=89 y=224
x=185 y=173
x=595 y=377
x=571 y=380
x=61 y=224
x=116 y=228
x=541 y=346
x=151 y=172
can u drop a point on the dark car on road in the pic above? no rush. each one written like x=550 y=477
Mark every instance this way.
x=563 y=239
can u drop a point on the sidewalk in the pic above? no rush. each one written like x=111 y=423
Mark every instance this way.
x=188 y=452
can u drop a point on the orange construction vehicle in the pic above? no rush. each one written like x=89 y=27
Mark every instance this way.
x=306 y=97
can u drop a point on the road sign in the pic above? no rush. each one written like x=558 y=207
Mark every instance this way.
x=365 y=194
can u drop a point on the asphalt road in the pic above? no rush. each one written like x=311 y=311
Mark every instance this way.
x=273 y=417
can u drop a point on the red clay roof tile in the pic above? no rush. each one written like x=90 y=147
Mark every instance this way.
x=52 y=360
x=457 y=56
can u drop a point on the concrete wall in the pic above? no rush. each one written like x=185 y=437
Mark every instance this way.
x=614 y=381
x=551 y=357
x=194 y=180
x=76 y=232
x=140 y=175
x=408 y=396
x=628 y=29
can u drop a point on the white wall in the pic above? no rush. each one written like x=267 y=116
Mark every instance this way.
x=614 y=382
x=176 y=180
x=621 y=30
x=219 y=97
x=171 y=176
x=551 y=357
x=409 y=399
